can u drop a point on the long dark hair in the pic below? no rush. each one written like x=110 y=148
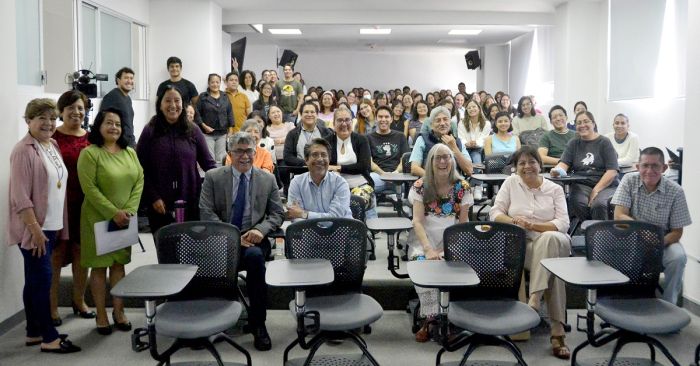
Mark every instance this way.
x=161 y=125
x=95 y=137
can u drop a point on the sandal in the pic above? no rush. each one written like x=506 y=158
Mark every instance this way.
x=559 y=348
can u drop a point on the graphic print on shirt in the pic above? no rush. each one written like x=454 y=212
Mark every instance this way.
x=387 y=149
x=288 y=90
x=589 y=159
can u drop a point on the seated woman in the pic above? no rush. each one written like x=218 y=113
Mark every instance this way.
x=326 y=108
x=473 y=130
x=440 y=199
x=538 y=206
x=350 y=157
x=439 y=129
x=625 y=142
x=398 y=123
x=590 y=155
x=365 y=121
x=527 y=118
x=418 y=116
x=553 y=143
x=579 y=107
x=502 y=142
x=263 y=158
x=265 y=140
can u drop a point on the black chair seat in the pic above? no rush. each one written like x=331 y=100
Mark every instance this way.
x=493 y=317
x=642 y=315
x=343 y=312
x=196 y=318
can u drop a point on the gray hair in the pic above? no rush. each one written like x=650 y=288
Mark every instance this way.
x=239 y=138
x=429 y=184
x=250 y=123
x=427 y=126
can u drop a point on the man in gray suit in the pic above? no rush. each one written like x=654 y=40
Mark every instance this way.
x=248 y=198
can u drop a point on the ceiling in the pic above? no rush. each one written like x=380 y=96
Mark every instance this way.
x=335 y=24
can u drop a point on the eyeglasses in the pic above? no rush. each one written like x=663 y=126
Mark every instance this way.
x=318 y=155
x=584 y=121
x=343 y=120
x=441 y=120
x=447 y=157
x=113 y=124
x=240 y=152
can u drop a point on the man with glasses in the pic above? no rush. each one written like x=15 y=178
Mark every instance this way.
x=318 y=193
x=248 y=198
x=649 y=196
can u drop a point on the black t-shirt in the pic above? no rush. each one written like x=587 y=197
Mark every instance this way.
x=116 y=99
x=387 y=149
x=590 y=158
x=186 y=88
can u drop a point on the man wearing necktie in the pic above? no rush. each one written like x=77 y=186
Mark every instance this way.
x=248 y=198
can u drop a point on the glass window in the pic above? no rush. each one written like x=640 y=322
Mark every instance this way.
x=115 y=49
x=28 y=42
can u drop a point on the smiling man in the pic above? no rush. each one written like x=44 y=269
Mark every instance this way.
x=119 y=98
x=246 y=197
x=387 y=146
x=649 y=196
x=186 y=88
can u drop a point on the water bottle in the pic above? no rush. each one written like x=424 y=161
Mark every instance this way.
x=478 y=192
x=180 y=211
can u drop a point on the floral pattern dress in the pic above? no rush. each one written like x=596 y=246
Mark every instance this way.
x=439 y=215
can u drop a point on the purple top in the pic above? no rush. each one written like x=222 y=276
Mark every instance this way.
x=169 y=164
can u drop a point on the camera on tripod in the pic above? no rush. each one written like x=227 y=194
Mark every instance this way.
x=82 y=82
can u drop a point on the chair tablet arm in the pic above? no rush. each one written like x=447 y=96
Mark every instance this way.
x=155 y=281
x=579 y=271
x=299 y=273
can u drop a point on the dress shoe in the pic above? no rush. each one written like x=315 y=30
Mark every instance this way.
x=124 y=327
x=65 y=346
x=83 y=314
x=104 y=330
x=38 y=342
x=261 y=339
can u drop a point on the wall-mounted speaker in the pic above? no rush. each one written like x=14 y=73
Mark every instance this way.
x=473 y=60
x=288 y=57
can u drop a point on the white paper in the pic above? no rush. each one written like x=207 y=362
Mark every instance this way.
x=110 y=241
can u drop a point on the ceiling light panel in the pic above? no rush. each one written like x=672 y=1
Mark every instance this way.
x=375 y=31
x=284 y=31
x=464 y=32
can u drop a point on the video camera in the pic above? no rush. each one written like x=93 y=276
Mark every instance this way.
x=81 y=82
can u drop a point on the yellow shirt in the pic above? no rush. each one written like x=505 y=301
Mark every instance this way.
x=240 y=105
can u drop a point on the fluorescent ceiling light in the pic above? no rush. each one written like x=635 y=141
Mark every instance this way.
x=284 y=31
x=257 y=27
x=464 y=32
x=375 y=30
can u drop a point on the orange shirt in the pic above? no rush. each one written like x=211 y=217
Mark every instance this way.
x=240 y=104
x=263 y=159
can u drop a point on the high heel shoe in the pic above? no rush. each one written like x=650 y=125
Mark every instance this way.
x=104 y=330
x=83 y=314
x=124 y=327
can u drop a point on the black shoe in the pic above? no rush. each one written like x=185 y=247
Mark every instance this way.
x=104 y=330
x=261 y=339
x=56 y=321
x=83 y=314
x=36 y=343
x=65 y=346
x=124 y=327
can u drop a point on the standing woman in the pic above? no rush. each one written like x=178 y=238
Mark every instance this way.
x=38 y=180
x=265 y=99
x=365 y=118
x=398 y=123
x=440 y=199
x=217 y=117
x=502 y=142
x=167 y=180
x=473 y=130
x=112 y=180
x=71 y=139
x=248 y=86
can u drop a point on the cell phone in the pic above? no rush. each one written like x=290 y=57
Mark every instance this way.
x=112 y=226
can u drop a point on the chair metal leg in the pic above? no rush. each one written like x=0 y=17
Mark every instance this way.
x=652 y=352
x=467 y=353
x=663 y=350
x=697 y=356
x=235 y=345
x=313 y=350
x=210 y=347
x=285 y=357
x=363 y=347
x=618 y=346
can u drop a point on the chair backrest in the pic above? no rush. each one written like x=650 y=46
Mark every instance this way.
x=357 y=206
x=532 y=137
x=634 y=248
x=213 y=246
x=496 y=251
x=496 y=164
x=342 y=241
x=405 y=164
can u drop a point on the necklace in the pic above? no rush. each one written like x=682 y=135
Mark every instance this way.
x=55 y=161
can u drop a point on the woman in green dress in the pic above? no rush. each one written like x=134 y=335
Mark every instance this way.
x=112 y=179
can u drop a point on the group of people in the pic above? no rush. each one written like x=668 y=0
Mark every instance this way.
x=65 y=179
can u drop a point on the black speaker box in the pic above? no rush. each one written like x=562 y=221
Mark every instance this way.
x=473 y=59
x=288 y=57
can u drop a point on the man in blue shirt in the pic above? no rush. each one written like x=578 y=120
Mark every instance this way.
x=318 y=193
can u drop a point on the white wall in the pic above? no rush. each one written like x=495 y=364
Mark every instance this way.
x=384 y=70
x=691 y=174
x=493 y=75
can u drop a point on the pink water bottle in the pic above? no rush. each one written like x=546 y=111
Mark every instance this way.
x=180 y=211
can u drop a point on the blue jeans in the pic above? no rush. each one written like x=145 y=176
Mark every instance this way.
x=37 y=283
x=475 y=154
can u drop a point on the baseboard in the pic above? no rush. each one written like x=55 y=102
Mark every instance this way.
x=691 y=306
x=11 y=322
